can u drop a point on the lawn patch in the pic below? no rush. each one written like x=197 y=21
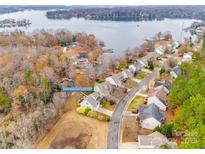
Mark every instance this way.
x=138 y=100
x=141 y=75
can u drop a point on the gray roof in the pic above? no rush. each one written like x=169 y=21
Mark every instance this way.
x=151 y=111
x=92 y=101
x=128 y=72
x=176 y=70
x=150 y=55
x=95 y=95
x=138 y=66
x=165 y=83
x=155 y=139
x=104 y=87
x=159 y=93
x=118 y=78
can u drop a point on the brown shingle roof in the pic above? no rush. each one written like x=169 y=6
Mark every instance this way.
x=159 y=93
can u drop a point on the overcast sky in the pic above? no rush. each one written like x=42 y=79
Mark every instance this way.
x=102 y=2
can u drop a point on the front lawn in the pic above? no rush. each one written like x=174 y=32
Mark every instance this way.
x=136 y=102
x=141 y=75
x=105 y=104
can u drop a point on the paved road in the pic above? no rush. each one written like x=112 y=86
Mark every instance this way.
x=114 y=124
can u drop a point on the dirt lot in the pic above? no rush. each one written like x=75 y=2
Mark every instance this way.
x=131 y=130
x=75 y=131
x=169 y=115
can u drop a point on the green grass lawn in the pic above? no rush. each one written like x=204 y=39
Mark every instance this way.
x=107 y=105
x=141 y=75
x=136 y=102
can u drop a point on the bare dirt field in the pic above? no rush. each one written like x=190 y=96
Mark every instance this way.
x=75 y=131
x=131 y=129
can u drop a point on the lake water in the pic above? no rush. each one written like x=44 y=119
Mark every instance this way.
x=116 y=35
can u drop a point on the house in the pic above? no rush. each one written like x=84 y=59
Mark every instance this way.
x=154 y=141
x=64 y=49
x=128 y=73
x=170 y=48
x=136 y=67
x=92 y=101
x=143 y=62
x=160 y=50
x=200 y=31
x=175 y=72
x=165 y=84
x=150 y=116
x=103 y=89
x=116 y=79
x=187 y=57
x=149 y=57
x=157 y=97
x=82 y=58
x=176 y=44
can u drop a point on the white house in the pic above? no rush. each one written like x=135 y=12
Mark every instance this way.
x=150 y=56
x=64 y=49
x=162 y=87
x=176 y=44
x=103 y=89
x=163 y=84
x=82 y=58
x=160 y=50
x=200 y=31
x=187 y=57
x=92 y=101
x=136 y=67
x=144 y=62
x=117 y=79
x=158 y=97
x=175 y=72
x=154 y=141
x=150 y=116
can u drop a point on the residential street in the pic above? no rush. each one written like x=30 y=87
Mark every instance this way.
x=114 y=124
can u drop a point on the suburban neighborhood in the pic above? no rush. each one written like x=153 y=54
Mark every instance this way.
x=102 y=78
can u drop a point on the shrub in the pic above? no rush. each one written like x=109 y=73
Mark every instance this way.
x=5 y=103
x=87 y=110
x=164 y=146
x=92 y=114
x=101 y=117
x=27 y=75
x=166 y=129
x=151 y=65
x=81 y=110
x=162 y=70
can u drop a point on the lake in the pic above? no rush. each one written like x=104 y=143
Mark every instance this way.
x=117 y=35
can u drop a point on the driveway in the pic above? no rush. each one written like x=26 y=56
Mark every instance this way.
x=105 y=111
